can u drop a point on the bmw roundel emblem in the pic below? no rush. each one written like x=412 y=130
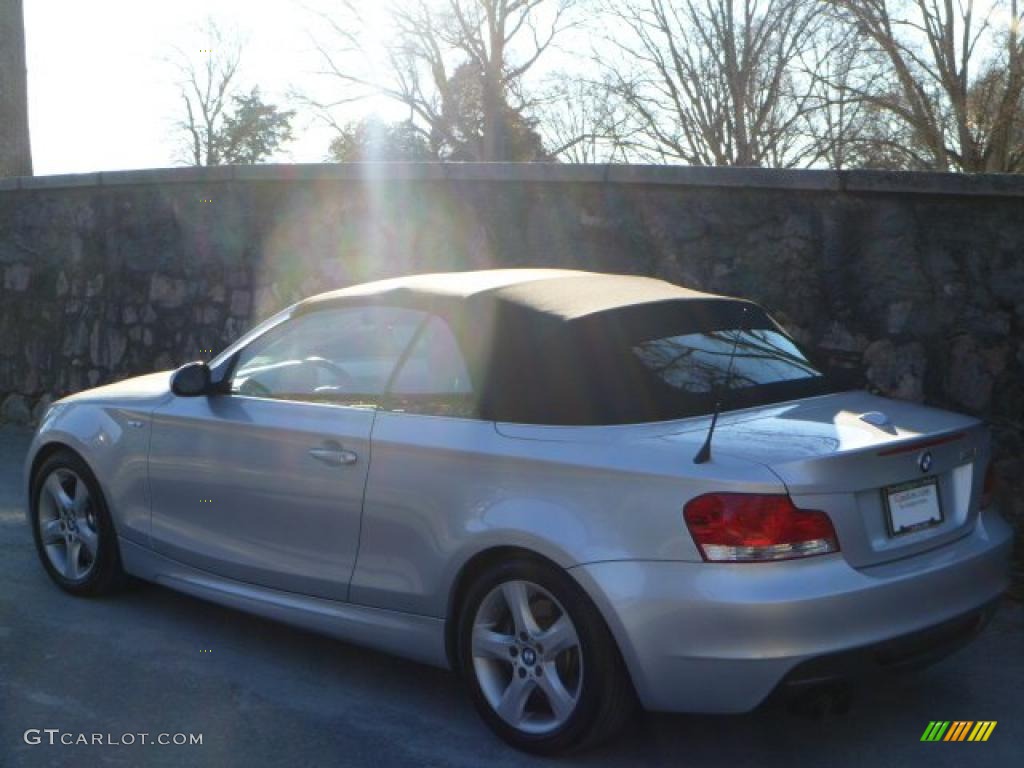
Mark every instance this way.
x=925 y=462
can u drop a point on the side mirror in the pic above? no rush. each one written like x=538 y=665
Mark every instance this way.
x=191 y=380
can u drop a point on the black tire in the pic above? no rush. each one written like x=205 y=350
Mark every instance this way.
x=105 y=575
x=606 y=699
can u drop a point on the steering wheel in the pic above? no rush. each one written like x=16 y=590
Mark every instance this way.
x=253 y=388
x=344 y=378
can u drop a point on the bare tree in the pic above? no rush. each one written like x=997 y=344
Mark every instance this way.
x=995 y=109
x=15 y=147
x=223 y=123
x=716 y=82
x=498 y=40
x=207 y=79
x=959 y=109
x=583 y=121
x=843 y=129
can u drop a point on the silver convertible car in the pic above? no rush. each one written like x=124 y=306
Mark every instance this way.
x=579 y=491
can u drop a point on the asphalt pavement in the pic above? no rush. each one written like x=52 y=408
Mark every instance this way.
x=150 y=661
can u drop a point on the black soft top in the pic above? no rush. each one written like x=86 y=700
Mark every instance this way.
x=560 y=294
x=545 y=345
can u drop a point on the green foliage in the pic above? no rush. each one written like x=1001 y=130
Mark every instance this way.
x=253 y=131
x=373 y=139
x=461 y=134
x=457 y=135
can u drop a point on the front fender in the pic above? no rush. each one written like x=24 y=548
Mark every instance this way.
x=114 y=442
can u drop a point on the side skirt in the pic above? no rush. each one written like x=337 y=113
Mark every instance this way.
x=420 y=638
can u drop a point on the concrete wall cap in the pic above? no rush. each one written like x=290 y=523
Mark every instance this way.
x=875 y=182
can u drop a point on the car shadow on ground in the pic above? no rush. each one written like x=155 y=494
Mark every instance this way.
x=395 y=686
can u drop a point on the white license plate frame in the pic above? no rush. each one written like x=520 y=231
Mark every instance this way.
x=900 y=518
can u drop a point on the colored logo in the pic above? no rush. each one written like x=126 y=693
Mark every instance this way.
x=959 y=730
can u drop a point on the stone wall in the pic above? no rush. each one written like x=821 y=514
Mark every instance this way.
x=909 y=283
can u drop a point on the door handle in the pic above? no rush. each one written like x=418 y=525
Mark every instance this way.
x=335 y=457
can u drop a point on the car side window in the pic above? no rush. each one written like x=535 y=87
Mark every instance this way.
x=434 y=378
x=344 y=355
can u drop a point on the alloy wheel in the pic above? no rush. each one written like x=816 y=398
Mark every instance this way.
x=527 y=657
x=68 y=525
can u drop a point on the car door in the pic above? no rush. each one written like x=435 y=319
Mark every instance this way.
x=432 y=478
x=265 y=484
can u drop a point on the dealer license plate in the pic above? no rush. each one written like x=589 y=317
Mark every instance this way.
x=913 y=506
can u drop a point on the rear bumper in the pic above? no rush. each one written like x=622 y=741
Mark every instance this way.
x=913 y=651
x=705 y=637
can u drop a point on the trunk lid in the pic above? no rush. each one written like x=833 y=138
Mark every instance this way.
x=840 y=453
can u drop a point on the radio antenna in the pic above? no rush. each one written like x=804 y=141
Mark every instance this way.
x=704 y=454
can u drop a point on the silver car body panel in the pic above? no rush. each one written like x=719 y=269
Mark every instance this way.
x=603 y=502
x=718 y=637
x=240 y=488
x=830 y=459
x=416 y=637
x=110 y=427
x=442 y=490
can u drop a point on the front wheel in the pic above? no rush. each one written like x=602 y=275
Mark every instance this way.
x=541 y=666
x=72 y=528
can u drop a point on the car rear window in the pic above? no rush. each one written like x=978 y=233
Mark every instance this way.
x=699 y=363
x=656 y=362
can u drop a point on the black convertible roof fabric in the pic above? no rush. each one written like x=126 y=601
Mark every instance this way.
x=557 y=293
x=546 y=345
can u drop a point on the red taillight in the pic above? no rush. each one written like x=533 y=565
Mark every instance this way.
x=988 y=490
x=740 y=527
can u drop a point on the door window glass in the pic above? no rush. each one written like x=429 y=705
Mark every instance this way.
x=434 y=378
x=332 y=355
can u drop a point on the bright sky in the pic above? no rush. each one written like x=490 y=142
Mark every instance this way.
x=102 y=95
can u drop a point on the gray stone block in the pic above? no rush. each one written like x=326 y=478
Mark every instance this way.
x=14 y=408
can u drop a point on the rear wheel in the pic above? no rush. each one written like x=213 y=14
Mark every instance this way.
x=72 y=527
x=541 y=666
